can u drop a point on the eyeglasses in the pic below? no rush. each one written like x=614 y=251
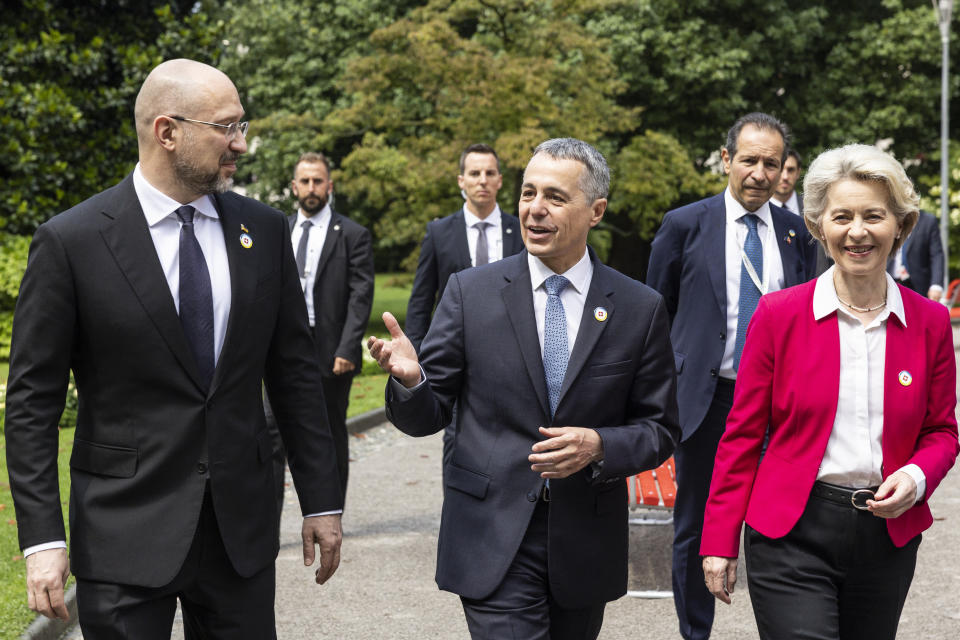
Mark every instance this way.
x=232 y=129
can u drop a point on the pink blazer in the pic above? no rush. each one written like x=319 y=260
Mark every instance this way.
x=789 y=378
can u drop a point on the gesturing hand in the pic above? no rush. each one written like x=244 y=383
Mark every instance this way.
x=396 y=356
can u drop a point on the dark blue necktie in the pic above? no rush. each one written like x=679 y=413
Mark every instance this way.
x=555 y=351
x=196 y=296
x=749 y=293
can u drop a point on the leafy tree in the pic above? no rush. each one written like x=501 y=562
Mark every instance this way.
x=69 y=73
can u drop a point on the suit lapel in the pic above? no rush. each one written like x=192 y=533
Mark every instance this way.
x=598 y=295
x=458 y=241
x=512 y=242
x=334 y=229
x=713 y=230
x=127 y=236
x=243 y=277
x=518 y=301
x=789 y=245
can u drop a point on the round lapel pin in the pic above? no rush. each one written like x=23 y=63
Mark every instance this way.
x=246 y=241
x=336 y=227
x=905 y=378
x=600 y=314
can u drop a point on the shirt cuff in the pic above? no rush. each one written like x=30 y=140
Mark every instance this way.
x=56 y=544
x=916 y=473
x=401 y=392
x=324 y=513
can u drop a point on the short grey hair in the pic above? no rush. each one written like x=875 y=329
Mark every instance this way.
x=863 y=163
x=595 y=181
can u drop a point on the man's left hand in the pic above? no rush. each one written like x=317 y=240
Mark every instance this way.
x=897 y=494
x=565 y=451
x=342 y=366
x=326 y=532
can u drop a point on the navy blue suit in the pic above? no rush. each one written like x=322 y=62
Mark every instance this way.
x=923 y=254
x=483 y=353
x=688 y=267
x=444 y=251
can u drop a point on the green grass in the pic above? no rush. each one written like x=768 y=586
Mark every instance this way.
x=14 y=614
x=366 y=393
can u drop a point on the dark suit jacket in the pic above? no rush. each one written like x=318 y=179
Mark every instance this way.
x=688 y=266
x=483 y=352
x=342 y=291
x=444 y=251
x=923 y=252
x=94 y=299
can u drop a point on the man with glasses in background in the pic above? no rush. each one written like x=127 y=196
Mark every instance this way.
x=171 y=300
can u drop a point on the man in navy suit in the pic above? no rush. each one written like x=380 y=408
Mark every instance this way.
x=918 y=264
x=699 y=263
x=451 y=243
x=563 y=375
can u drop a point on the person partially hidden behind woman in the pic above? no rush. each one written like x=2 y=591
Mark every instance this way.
x=853 y=377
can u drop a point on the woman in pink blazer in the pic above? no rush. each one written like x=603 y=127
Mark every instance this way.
x=850 y=380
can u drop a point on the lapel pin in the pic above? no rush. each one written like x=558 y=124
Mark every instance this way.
x=336 y=227
x=244 y=228
x=246 y=241
x=600 y=314
x=508 y=231
x=905 y=378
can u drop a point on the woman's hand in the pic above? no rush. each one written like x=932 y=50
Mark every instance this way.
x=897 y=494
x=720 y=576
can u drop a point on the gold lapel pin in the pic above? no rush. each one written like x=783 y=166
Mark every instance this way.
x=246 y=241
x=905 y=378
x=244 y=228
x=600 y=314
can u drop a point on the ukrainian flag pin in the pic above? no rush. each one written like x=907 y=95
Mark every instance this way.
x=600 y=314
x=905 y=378
x=244 y=228
x=246 y=241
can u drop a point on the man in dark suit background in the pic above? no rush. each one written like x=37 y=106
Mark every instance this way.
x=918 y=264
x=711 y=261
x=563 y=376
x=787 y=198
x=335 y=258
x=451 y=243
x=171 y=300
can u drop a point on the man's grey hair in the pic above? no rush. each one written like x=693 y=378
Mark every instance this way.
x=595 y=181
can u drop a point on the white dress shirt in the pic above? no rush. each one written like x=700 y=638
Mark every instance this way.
x=318 y=235
x=494 y=233
x=573 y=297
x=792 y=204
x=159 y=210
x=735 y=236
x=854 y=454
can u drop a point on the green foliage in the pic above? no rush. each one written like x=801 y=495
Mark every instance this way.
x=13 y=262
x=69 y=74
x=932 y=202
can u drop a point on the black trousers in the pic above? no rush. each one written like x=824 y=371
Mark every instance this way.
x=694 y=458
x=521 y=607
x=836 y=575
x=216 y=602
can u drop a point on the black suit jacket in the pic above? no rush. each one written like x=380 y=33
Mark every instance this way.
x=688 y=267
x=482 y=352
x=342 y=291
x=444 y=251
x=94 y=299
x=923 y=252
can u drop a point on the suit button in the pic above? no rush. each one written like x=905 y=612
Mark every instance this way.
x=201 y=467
x=723 y=337
x=532 y=496
x=713 y=372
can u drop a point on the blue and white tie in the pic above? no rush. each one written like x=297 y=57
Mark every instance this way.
x=555 y=351
x=749 y=292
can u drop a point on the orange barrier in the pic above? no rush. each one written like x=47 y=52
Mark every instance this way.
x=953 y=291
x=654 y=488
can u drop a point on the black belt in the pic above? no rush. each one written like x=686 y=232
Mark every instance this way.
x=853 y=498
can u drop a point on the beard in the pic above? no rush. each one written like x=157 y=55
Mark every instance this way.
x=198 y=179
x=312 y=203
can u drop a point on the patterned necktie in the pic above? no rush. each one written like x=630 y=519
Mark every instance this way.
x=483 y=255
x=302 y=247
x=196 y=296
x=749 y=293
x=555 y=351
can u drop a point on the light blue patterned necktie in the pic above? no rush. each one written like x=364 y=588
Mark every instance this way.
x=749 y=293
x=555 y=351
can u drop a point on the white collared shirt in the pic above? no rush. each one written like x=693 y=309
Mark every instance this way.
x=792 y=204
x=494 y=233
x=854 y=454
x=735 y=236
x=318 y=235
x=159 y=210
x=573 y=297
